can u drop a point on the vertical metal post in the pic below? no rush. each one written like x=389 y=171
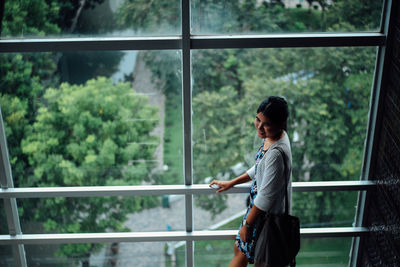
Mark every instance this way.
x=373 y=127
x=10 y=205
x=187 y=125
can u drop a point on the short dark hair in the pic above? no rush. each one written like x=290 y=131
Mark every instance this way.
x=276 y=109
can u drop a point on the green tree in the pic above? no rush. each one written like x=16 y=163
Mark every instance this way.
x=328 y=90
x=154 y=16
x=28 y=107
x=27 y=18
x=320 y=118
x=359 y=14
x=25 y=76
x=216 y=134
x=84 y=135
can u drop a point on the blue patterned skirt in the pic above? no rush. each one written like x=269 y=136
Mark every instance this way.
x=248 y=247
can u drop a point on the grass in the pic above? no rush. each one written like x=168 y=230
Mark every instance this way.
x=173 y=141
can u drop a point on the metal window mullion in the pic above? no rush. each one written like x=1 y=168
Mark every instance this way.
x=187 y=126
x=90 y=44
x=287 y=40
x=196 y=42
x=203 y=235
x=373 y=127
x=10 y=204
x=153 y=190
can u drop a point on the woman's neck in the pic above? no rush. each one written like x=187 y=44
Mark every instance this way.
x=269 y=141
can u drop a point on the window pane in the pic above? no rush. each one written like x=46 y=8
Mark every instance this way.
x=219 y=212
x=101 y=214
x=315 y=209
x=314 y=251
x=40 y=18
x=324 y=252
x=98 y=255
x=325 y=209
x=236 y=17
x=6 y=256
x=92 y=118
x=3 y=219
x=328 y=91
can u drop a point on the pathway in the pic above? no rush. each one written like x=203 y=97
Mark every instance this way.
x=156 y=219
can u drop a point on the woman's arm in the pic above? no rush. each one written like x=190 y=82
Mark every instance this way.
x=267 y=191
x=250 y=220
x=225 y=185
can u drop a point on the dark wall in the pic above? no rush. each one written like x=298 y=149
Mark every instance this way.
x=382 y=246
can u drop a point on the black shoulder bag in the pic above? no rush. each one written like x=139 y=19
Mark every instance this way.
x=279 y=240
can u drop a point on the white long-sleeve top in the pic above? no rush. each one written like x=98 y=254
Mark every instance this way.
x=270 y=178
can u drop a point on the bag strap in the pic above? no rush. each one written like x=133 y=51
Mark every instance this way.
x=286 y=178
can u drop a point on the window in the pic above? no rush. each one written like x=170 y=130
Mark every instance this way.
x=129 y=120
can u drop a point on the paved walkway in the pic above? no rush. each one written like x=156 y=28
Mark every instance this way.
x=156 y=219
x=143 y=84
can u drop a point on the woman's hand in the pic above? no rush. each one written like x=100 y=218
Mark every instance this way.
x=244 y=233
x=223 y=185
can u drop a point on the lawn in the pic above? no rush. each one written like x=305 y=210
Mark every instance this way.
x=173 y=141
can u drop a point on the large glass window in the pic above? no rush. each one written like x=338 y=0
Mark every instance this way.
x=118 y=118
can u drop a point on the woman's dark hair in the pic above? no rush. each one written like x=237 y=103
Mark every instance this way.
x=276 y=109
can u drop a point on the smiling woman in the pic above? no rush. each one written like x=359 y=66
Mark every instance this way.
x=267 y=194
x=271 y=118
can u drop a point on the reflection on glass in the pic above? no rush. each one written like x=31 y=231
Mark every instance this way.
x=238 y=17
x=40 y=18
x=318 y=251
x=99 y=255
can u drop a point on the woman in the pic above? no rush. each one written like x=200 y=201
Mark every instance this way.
x=267 y=193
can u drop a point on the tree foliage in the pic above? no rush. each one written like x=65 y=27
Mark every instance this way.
x=43 y=150
x=327 y=88
x=84 y=135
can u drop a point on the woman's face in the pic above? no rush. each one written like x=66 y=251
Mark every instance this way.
x=265 y=129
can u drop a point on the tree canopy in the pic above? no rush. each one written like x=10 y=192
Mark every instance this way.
x=84 y=135
x=328 y=90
